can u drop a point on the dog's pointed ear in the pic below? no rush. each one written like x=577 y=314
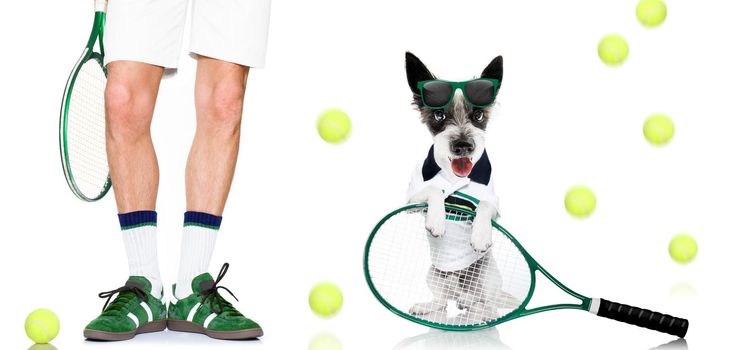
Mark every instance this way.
x=494 y=69
x=416 y=71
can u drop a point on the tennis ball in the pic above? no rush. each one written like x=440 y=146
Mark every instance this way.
x=683 y=248
x=658 y=129
x=334 y=125
x=42 y=326
x=580 y=201
x=651 y=13
x=613 y=49
x=325 y=299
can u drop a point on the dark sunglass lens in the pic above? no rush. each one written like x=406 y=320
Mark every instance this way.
x=480 y=92
x=436 y=93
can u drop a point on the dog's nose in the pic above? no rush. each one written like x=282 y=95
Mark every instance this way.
x=462 y=148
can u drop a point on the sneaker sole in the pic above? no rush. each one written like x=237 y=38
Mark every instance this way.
x=190 y=327
x=150 y=327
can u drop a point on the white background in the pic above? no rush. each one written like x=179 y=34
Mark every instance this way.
x=300 y=209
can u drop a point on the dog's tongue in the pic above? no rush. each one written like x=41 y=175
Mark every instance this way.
x=461 y=166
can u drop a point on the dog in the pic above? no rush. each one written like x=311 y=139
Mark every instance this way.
x=457 y=171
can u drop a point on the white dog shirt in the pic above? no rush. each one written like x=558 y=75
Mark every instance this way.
x=453 y=250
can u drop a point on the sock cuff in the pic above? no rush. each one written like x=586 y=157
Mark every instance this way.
x=138 y=219
x=196 y=218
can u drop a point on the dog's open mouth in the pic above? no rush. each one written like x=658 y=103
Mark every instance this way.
x=461 y=166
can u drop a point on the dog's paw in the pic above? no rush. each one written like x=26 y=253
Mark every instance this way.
x=467 y=299
x=481 y=238
x=415 y=210
x=482 y=312
x=435 y=224
x=426 y=308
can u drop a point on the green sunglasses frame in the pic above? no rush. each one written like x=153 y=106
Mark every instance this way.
x=458 y=85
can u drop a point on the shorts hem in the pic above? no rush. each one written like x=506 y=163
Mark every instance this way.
x=252 y=61
x=166 y=65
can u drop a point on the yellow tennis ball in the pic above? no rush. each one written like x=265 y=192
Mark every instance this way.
x=325 y=299
x=334 y=125
x=651 y=13
x=658 y=129
x=683 y=248
x=580 y=201
x=42 y=326
x=613 y=49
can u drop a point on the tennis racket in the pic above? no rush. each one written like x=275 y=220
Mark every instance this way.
x=82 y=120
x=400 y=265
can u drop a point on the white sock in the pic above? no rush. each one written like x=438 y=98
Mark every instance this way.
x=141 y=244
x=197 y=245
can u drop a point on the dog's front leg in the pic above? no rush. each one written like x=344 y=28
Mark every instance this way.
x=481 y=233
x=436 y=214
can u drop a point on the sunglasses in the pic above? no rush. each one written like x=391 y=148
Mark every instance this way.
x=437 y=94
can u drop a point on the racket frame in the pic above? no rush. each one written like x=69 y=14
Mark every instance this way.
x=88 y=54
x=521 y=311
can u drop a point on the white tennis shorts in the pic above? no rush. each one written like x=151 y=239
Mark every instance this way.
x=151 y=31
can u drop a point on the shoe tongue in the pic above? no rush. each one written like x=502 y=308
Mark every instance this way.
x=140 y=282
x=202 y=282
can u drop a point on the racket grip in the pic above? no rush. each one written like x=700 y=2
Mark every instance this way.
x=100 y=5
x=643 y=318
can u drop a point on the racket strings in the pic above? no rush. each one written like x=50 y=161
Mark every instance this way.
x=443 y=280
x=85 y=131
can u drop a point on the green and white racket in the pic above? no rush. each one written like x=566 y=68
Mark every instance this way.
x=400 y=263
x=82 y=122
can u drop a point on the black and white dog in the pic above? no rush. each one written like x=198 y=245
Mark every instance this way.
x=456 y=171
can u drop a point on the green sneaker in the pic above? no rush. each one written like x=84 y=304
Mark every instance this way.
x=207 y=312
x=134 y=311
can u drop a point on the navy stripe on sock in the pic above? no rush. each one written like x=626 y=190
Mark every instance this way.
x=195 y=218
x=137 y=219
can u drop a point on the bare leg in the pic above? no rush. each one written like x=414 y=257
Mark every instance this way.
x=132 y=89
x=219 y=94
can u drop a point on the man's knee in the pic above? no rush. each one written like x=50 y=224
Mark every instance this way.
x=128 y=113
x=220 y=106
